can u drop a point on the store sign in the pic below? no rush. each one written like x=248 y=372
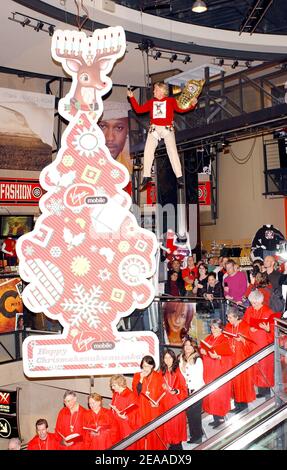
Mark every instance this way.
x=7 y=402
x=204 y=193
x=8 y=417
x=24 y=192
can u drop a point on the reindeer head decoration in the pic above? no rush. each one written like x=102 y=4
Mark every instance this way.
x=88 y=60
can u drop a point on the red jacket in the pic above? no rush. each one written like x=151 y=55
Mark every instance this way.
x=50 y=443
x=161 y=111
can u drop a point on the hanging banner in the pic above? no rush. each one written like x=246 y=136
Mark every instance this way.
x=204 y=193
x=26 y=129
x=20 y=191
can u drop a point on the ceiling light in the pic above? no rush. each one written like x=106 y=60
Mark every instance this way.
x=51 y=30
x=199 y=6
x=26 y=22
x=186 y=59
x=39 y=26
x=157 y=55
x=173 y=58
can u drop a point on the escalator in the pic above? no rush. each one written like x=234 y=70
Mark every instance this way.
x=233 y=428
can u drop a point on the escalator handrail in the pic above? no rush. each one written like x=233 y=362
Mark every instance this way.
x=257 y=430
x=195 y=397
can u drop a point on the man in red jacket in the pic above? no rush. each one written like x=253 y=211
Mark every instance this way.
x=161 y=109
x=43 y=440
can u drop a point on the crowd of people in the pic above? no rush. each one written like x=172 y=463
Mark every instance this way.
x=210 y=284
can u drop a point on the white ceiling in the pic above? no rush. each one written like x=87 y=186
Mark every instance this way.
x=25 y=49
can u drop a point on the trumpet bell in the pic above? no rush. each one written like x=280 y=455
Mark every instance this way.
x=176 y=90
x=191 y=90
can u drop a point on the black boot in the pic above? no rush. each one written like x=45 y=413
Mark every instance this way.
x=177 y=446
x=180 y=182
x=145 y=181
x=263 y=392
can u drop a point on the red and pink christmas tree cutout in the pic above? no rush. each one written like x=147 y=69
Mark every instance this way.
x=87 y=261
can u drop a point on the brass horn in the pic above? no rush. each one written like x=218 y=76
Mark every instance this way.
x=191 y=90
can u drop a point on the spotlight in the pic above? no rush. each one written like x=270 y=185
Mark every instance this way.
x=173 y=58
x=145 y=45
x=186 y=59
x=39 y=26
x=26 y=22
x=157 y=55
x=221 y=62
x=234 y=65
x=199 y=6
x=51 y=30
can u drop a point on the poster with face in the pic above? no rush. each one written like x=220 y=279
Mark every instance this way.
x=10 y=304
x=177 y=319
x=115 y=126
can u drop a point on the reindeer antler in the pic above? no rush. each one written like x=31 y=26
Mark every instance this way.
x=70 y=48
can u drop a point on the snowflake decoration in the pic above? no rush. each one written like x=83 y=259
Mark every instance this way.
x=29 y=250
x=104 y=274
x=102 y=161
x=55 y=206
x=93 y=248
x=80 y=265
x=86 y=306
x=86 y=143
x=132 y=269
x=68 y=160
x=55 y=251
x=115 y=173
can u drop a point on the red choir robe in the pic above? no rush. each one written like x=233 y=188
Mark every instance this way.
x=242 y=385
x=174 y=430
x=50 y=443
x=106 y=435
x=152 y=385
x=217 y=402
x=264 y=370
x=70 y=424
x=126 y=426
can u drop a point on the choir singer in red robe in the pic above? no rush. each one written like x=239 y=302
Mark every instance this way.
x=99 y=424
x=125 y=408
x=216 y=361
x=175 y=387
x=70 y=421
x=43 y=440
x=147 y=385
x=262 y=333
x=237 y=332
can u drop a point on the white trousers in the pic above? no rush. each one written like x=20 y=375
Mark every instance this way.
x=153 y=138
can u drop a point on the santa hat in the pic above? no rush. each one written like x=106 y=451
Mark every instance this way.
x=115 y=110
